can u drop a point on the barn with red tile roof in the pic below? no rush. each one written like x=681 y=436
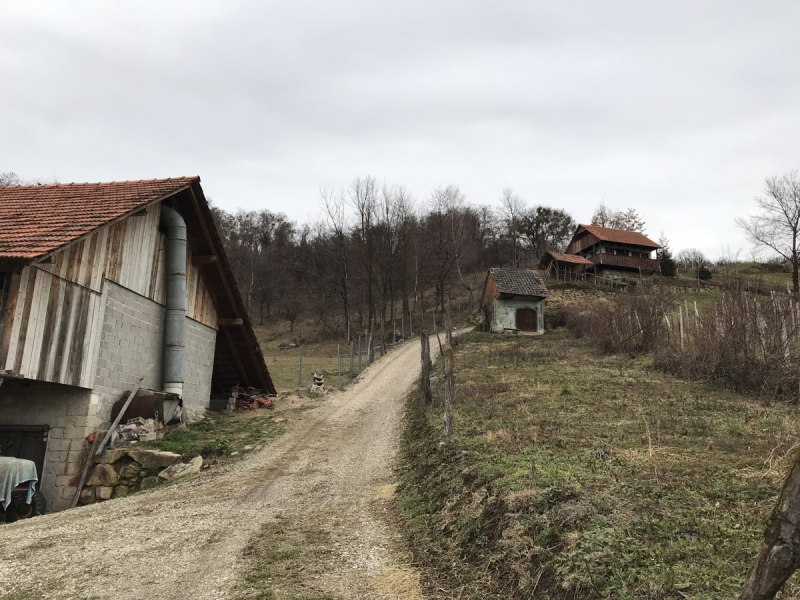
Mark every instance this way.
x=89 y=305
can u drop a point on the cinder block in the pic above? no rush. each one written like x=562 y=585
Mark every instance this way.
x=62 y=480
x=75 y=432
x=75 y=457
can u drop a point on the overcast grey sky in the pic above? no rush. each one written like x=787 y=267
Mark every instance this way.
x=678 y=109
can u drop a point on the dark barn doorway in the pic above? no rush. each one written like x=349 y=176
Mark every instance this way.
x=25 y=441
x=527 y=319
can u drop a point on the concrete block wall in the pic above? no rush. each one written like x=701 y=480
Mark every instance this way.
x=133 y=338
x=199 y=363
x=70 y=412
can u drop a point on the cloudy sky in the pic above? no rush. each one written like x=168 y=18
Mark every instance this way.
x=678 y=109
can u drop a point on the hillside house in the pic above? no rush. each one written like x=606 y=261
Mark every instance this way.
x=596 y=252
x=513 y=301
x=100 y=282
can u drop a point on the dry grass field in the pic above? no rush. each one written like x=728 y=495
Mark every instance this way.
x=573 y=474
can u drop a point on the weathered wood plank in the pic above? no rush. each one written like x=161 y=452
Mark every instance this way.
x=41 y=363
x=75 y=359
x=9 y=311
x=58 y=323
x=11 y=358
x=96 y=331
x=67 y=329
x=101 y=261
x=30 y=297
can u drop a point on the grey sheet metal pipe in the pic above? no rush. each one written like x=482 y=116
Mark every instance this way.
x=175 y=323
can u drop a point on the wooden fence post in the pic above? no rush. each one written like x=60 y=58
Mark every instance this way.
x=351 y=362
x=359 y=355
x=448 y=392
x=425 y=372
x=300 y=378
x=339 y=361
x=448 y=328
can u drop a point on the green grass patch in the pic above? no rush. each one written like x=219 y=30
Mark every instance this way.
x=221 y=434
x=274 y=562
x=572 y=474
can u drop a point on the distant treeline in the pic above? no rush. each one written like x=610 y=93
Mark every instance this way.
x=375 y=253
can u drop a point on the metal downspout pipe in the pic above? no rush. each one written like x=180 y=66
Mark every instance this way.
x=175 y=323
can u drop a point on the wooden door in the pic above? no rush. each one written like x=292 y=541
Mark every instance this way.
x=527 y=319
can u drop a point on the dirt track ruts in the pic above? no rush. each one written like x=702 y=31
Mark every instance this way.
x=325 y=474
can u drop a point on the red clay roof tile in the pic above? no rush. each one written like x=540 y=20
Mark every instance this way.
x=618 y=236
x=571 y=258
x=37 y=219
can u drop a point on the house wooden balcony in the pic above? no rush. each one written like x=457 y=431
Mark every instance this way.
x=647 y=265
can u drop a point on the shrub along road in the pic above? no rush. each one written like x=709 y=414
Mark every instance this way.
x=307 y=517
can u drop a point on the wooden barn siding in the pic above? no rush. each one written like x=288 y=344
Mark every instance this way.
x=53 y=328
x=53 y=335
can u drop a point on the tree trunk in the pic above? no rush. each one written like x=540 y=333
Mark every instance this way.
x=780 y=554
x=425 y=373
x=448 y=392
x=383 y=330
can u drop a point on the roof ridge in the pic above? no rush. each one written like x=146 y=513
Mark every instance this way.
x=74 y=183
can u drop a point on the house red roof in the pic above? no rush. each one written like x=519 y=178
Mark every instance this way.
x=38 y=219
x=571 y=258
x=618 y=236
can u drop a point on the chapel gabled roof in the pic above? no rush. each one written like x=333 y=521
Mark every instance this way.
x=520 y=283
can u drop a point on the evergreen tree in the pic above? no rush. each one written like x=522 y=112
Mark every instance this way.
x=667 y=263
x=704 y=274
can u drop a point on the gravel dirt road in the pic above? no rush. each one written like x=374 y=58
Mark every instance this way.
x=323 y=487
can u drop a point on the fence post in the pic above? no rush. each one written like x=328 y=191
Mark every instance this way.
x=359 y=355
x=403 y=327
x=680 y=321
x=339 y=361
x=448 y=330
x=425 y=375
x=351 y=362
x=448 y=392
x=300 y=378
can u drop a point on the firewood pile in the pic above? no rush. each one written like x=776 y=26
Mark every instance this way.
x=250 y=399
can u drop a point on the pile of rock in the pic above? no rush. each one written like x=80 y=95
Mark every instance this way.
x=119 y=471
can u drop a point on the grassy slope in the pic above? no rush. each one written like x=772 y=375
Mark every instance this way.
x=319 y=344
x=573 y=474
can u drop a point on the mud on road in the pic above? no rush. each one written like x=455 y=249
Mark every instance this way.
x=315 y=501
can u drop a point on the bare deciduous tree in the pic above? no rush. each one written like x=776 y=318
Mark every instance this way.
x=777 y=226
x=512 y=208
x=9 y=178
x=691 y=258
x=628 y=219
